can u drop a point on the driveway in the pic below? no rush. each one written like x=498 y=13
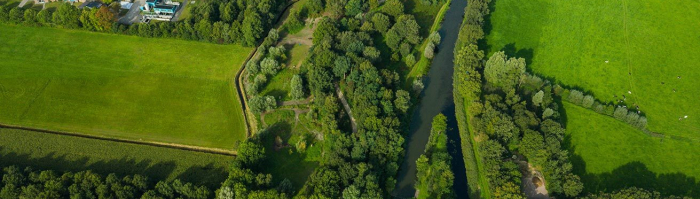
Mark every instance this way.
x=21 y=4
x=182 y=6
x=133 y=15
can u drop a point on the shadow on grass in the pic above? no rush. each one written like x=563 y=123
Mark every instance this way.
x=512 y=51
x=635 y=174
x=209 y=175
x=286 y=162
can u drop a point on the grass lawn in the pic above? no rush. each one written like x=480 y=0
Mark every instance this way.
x=296 y=54
x=279 y=85
x=68 y=153
x=612 y=155
x=119 y=86
x=288 y=162
x=570 y=41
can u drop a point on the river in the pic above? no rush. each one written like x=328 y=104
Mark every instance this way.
x=436 y=98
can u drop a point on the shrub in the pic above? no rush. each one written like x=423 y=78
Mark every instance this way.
x=269 y=66
x=575 y=97
x=297 y=90
x=609 y=110
x=632 y=118
x=599 y=108
x=558 y=90
x=435 y=38
x=418 y=85
x=642 y=122
x=537 y=98
x=588 y=101
x=620 y=113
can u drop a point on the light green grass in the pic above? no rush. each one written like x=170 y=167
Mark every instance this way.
x=296 y=54
x=612 y=155
x=653 y=39
x=118 y=86
x=279 y=85
x=67 y=153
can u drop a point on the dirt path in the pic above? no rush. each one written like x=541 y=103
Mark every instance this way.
x=533 y=182
x=296 y=102
x=297 y=112
x=347 y=108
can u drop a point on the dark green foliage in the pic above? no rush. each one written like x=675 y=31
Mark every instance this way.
x=630 y=193
x=297 y=87
x=28 y=183
x=259 y=104
x=393 y=8
x=503 y=71
x=245 y=180
x=354 y=7
x=381 y=22
x=434 y=175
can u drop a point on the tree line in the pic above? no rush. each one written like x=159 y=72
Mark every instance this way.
x=219 y=21
x=30 y=183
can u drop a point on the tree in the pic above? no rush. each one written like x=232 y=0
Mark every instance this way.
x=572 y=186
x=297 y=88
x=104 y=18
x=508 y=191
x=259 y=104
x=429 y=51
x=30 y=16
x=325 y=28
x=402 y=101
x=44 y=17
x=269 y=66
x=620 y=113
x=393 y=8
x=250 y=153
x=547 y=113
x=314 y=7
x=341 y=66
x=252 y=27
x=576 y=97
x=66 y=15
x=410 y=60
x=503 y=71
x=381 y=22
x=354 y=7
x=537 y=98
x=588 y=101
x=434 y=38
x=16 y=15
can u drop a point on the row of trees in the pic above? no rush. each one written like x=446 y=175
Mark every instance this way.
x=219 y=21
x=29 y=183
x=619 y=112
x=245 y=179
x=434 y=175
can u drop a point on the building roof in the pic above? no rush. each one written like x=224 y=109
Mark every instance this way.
x=165 y=7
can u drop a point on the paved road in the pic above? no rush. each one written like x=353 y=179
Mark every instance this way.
x=133 y=15
x=21 y=4
x=179 y=10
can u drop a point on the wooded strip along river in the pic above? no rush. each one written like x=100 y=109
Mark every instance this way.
x=435 y=99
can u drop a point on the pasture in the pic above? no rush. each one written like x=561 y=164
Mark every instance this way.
x=68 y=153
x=161 y=90
x=638 y=49
x=612 y=155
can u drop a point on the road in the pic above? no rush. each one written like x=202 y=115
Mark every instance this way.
x=21 y=4
x=133 y=15
x=182 y=6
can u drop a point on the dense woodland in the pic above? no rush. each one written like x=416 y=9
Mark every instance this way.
x=243 y=22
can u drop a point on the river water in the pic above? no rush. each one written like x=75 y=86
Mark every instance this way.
x=436 y=98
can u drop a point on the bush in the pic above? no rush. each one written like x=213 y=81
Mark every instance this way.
x=435 y=38
x=632 y=118
x=259 y=104
x=575 y=97
x=537 y=98
x=620 y=113
x=418 y=85
x=558 y=90
x=547 y=113
x=588 y=101
x=269 y=66
x=599 y=108
x=642 y=122
x=297 y=90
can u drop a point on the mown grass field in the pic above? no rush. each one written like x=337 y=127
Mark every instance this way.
x=119 y=86
x=647 y=44
x=68 y=153
x=612 y=155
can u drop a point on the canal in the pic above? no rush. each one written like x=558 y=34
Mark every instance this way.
x=436 y=98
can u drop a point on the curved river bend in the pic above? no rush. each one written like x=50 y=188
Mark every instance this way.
x=436 y=98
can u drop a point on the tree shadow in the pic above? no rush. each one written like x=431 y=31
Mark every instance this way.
x=285 y=162
x=512 y=51
x=635 y=174
x=154 y=170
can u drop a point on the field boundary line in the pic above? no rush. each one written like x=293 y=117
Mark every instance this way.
x=31 y=103
x=147 y=143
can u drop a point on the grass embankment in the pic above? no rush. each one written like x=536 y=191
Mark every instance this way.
x=611 y=155
x=423 y=65
x=127 y=87
x=610 y=48
x=69 y=153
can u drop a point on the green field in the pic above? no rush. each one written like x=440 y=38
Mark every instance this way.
x=118 y=86
x=612 y=155
x=68 y=153
x=570 y=41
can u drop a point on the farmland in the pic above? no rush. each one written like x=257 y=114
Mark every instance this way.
x=117 y=86
x=640 y=49
x=68 y=153
x=631 y=158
